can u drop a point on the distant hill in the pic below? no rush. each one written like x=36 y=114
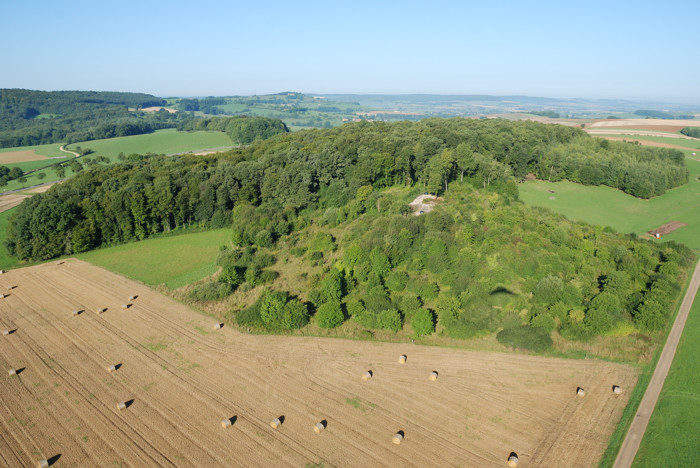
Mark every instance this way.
x=38 y=117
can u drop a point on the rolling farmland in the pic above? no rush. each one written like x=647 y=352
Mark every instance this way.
x=182 y=378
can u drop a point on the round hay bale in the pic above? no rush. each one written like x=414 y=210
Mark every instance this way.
x=42 y=463
x=580 y=392
x=6 y=332
x=121 y=405
x=131 y=298
x=75 y=313
x=275 y=423
x=10 y=287
x=433 y=376
x=2 y=296
x=125 y=306
x=226 y=423
x=319 y=427
x=2 y=271
x=99 y=310
x=217 y=326
x=397 y=439
x=12 y=372
x=402 y=359
x=112 y=368
x=513 y=460
x=367 y=375
x=616 y=389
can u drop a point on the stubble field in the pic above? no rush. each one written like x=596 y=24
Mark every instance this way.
x=185 y=378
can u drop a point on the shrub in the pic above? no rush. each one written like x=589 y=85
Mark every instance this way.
x=396 y=280
x=231 y=275
x=525 y=337
x=544 y=321
x=390 y=319
x=329 y=315
x=210 y=291
x=272 y=310
x=423 y=322
x=267 y=276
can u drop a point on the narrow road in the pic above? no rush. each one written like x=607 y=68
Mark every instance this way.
x=639 y=424
x=69 y=151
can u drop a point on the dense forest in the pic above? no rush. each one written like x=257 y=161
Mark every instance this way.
x=324 y=168
x=693 y=132
x=40 y=117
x=242 y=129
x=482 y=261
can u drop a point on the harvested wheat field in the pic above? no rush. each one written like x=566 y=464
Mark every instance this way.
x=181 y=380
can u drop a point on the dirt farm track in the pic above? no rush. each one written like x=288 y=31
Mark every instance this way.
x=185 y=378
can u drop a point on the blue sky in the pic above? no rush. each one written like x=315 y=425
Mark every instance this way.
x=612 y=49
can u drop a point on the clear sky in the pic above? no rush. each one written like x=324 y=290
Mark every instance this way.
x=593 y=49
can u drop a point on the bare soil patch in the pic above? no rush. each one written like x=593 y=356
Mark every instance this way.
x=651 y=124
x=424 y=203
x=658 y=144
x=667 y=228
x=156 y=109
x=20 y=156
x=11 y=200
x=185 y=378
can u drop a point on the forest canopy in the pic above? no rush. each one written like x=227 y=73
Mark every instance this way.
x=480 y=262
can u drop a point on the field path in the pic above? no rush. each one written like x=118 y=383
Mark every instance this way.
x=69 y=151
x=639 y=424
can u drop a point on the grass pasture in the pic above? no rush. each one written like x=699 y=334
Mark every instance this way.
x=174 y=261
x=6 y=261
x=51 y=150
x=606 y=206
x=671 y=439
x=167 y=141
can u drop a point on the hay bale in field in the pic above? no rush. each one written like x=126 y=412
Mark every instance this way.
x=368 y=375
x=112 y=368
x=433 y=376
x=2 y=296
x=402 y=359
x=218 y=326
x=99 y=310
x=126 y=306
x=12 y=372
x=277 y=422
x=398 y=438
x=513 y=460
x=131 y=298
x=580 y=392
x=616 y=389
x=124 y=404
x=10 y=287
x=75 y=313
x=42 y=463
x=320 y=426
x=226 y=423
x=6 y=332
x=2 y=271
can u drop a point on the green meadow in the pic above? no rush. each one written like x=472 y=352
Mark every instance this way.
x=6 y=261
x=671 y=439
x=606 y=206
x=173 y=261
x=50 y=151
x=167 y=141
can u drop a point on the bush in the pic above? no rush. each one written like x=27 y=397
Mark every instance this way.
x=210 y=291
x=330 y=315
x=390 y=319
x=267 y=276
x=396 y=280
x=525 y=337
x=543 y=321
x=423 y=322
x=231 y=275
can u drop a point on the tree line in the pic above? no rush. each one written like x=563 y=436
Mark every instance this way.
x=315 y=169
x=241 y=129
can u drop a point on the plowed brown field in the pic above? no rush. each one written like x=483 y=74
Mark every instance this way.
x=185 y=378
